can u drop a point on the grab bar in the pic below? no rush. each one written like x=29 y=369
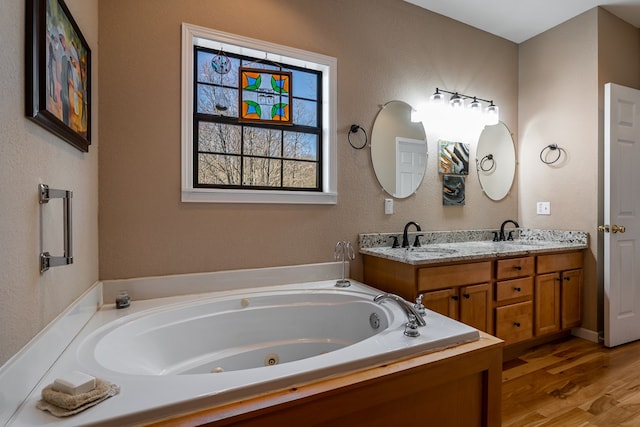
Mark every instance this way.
x=46 y=259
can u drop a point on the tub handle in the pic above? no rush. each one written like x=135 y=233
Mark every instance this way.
x=46 y=259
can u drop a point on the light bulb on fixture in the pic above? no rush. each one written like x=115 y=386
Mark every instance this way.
x=492 y=114
x=456 y=101
x=437 y=97
x=475 y=106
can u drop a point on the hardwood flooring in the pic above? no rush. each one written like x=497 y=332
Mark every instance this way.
x=573 y=382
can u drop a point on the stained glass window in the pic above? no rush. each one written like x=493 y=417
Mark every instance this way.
x=256 y=123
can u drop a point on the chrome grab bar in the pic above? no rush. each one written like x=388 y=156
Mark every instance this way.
x=46 y=259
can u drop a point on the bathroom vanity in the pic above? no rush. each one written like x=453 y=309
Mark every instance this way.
x=521 y=291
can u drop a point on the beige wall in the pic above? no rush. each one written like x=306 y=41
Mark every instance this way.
x=29 y=155
x=558 y=99
x=386 y=50
x=562 y=73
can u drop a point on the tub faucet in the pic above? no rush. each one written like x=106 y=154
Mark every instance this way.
x=412 y=313
x=502 y=236
x=405 y=234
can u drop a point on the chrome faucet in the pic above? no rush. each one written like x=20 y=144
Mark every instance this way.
x=501 y=237
x=412 y=314
x=405 y=235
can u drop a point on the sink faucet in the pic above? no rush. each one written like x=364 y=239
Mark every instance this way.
x=405 y=237
x=502 y=236
x=408 y=308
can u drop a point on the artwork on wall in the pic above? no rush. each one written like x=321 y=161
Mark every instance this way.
x=265 y=96
x=454 y=158
x=453 y=190
x=58 y=72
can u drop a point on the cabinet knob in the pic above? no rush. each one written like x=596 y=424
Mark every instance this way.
x=455 y=298
x=467 y=296
x=516 y=324
x=567 y=278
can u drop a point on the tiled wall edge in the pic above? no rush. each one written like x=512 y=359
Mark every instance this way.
x=20 y=374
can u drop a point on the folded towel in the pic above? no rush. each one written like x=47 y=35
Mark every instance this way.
x=63 y=404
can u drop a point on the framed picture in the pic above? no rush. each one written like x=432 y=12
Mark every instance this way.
x=454 y=158
x=265 y=96
x=58 y=72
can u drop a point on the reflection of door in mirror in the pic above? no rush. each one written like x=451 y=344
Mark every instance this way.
x=496 y=161
x=411 y=162
x=398 y=150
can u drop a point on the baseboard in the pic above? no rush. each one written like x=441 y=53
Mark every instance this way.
x=586 y=334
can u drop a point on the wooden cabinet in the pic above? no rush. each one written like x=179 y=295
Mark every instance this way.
x=514 y=295
x=517 y=299
x=465 y=297
x=468 y=304
x=558 y=292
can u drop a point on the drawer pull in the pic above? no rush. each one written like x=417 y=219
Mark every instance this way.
x=517 y=289
x=467 y=296
x=518 y=267
x=516 y=324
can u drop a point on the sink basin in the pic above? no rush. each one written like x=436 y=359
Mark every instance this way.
x=433 y=250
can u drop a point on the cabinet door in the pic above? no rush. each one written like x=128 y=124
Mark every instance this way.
x=547 y=303
x=475 y=306
x=514 y=322
x=571 y=298
x=443 y=302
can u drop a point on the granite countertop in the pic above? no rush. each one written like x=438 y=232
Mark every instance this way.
x=440 y=247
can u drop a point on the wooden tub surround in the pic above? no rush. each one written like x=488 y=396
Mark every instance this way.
x=459 y=386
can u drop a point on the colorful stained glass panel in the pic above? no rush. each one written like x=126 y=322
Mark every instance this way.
x=265 y=96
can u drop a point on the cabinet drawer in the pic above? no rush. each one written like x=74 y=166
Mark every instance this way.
x=515 y=288
x=559 y=262
x=515 y=267
x=430 y=278
x=514 y=323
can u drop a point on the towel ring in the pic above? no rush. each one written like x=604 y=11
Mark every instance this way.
x=551 y=147
x=485 y=160
x=354 y=129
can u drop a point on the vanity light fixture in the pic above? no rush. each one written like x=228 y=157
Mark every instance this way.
x=491 y=114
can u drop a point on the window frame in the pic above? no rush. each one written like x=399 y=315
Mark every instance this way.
x=193 y=35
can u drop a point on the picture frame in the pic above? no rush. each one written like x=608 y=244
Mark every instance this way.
x=265 y=96
x=58 y=72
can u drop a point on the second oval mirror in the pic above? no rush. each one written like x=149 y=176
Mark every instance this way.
x=398 y=150
x=496 y=161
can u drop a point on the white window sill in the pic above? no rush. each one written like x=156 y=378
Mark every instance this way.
x=258 y=196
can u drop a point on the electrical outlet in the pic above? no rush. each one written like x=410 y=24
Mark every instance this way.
x=388 y=206
x=543 y=208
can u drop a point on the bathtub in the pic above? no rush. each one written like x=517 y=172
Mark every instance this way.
x=183 y=353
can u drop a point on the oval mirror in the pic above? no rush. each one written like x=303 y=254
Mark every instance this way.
x=496 y=161
x=398 y=149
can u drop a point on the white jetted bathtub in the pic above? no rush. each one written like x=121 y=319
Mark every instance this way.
x=181 y=353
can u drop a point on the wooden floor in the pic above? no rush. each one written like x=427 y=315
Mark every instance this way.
x=573 y=382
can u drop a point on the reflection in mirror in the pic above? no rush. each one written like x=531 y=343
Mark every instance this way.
x=496 y=161
x=398 y=150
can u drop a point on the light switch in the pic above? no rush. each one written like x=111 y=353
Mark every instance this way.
x=388 y=206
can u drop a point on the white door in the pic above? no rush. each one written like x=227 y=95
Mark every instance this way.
x=621 y=215
x=411 y=161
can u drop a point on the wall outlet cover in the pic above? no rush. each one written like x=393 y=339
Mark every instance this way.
x=543 y=208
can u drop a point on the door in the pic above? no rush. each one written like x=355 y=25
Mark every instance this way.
x=475 y=306
x=547 y=304
x=411 y=162
x=621 y=215
x=571 y=298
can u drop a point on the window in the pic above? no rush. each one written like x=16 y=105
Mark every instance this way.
x=258 y=121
